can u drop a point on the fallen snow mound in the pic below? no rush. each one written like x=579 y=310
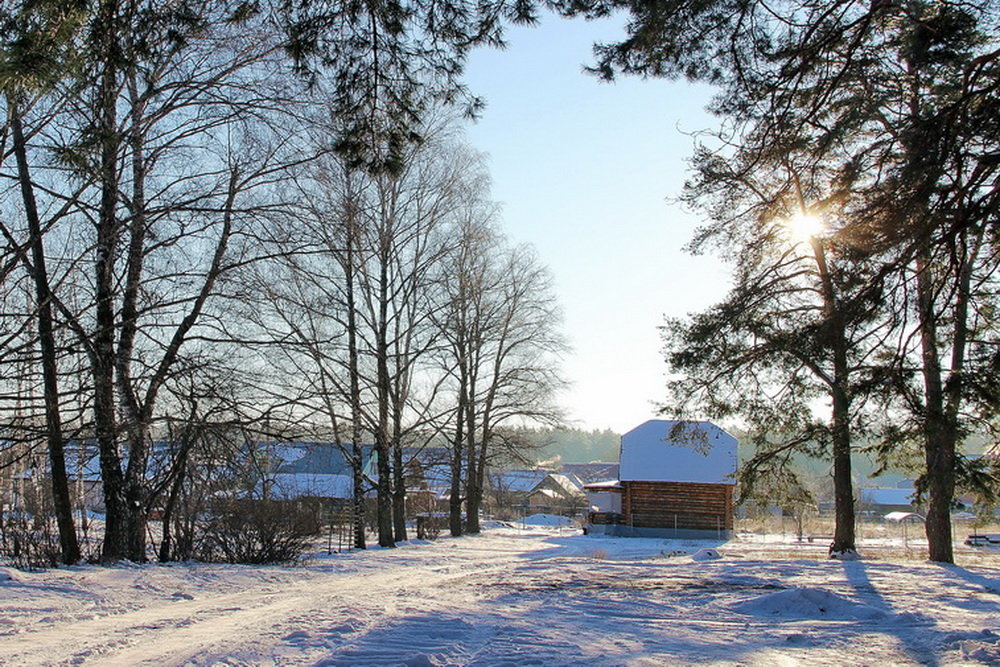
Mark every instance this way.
x=706 y=554
x=806 y=603
x=5 y=575
x=547 y=520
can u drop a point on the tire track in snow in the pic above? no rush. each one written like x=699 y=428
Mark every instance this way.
x=245 y=622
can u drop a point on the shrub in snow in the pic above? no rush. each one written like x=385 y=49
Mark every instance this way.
x=706 y=554
x=256 y=531
x=430 y=525
x=29 y=541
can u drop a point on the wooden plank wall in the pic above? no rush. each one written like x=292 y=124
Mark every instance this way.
x=604 y=518
x=678 y=505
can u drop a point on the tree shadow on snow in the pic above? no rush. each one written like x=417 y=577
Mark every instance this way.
x=916 y=632
x=549 y=628
x=978 y=582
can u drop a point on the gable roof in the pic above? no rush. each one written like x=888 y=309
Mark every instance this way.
x=662 y=450
x=323 y=458
x=595 y=471
x=887 y=496
x=567 y=485
x=290 y=486
x=518 y=481
x=437 y=477
x=530 y=481
x=607 y=485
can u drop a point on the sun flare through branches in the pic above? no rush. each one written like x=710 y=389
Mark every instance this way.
x=803 y=227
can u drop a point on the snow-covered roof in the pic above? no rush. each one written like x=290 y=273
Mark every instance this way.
x=427 y=455
x=312 y=457
x=83 y=460
x=526 y=481
x=518 y=481
x=568 y=485
x=675 y=451
x=610 y=485
x=438 y=476
x=887 y=496
x=289 y=486
x=595 y=471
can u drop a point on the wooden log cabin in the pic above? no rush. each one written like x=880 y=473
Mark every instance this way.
x=676 y=480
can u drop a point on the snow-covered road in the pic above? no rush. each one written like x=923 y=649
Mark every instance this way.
x=508 y=597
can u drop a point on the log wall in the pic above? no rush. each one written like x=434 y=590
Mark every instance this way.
x=680 y=505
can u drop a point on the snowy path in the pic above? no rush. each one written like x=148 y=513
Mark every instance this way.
x=259 y=618
x=508 y=598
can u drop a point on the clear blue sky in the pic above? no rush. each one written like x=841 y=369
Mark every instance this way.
x=584 y=171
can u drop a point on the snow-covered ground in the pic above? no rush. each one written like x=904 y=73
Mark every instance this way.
x=542 y=596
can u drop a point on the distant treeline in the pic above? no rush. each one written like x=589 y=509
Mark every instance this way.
x=570 y=445
x=573 y=445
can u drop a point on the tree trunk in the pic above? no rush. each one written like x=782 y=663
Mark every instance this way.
x=473 y=493
x=135 y=416
x=481 y=467
x=455 y=499
x=473 y=498
x=939 y=456
x=180 y=474
x=398 y=492
x=939 y=419
x=384 y=499
x=62 y=502
x=358 y=504
x=383 y=490
x=843 y=484
x=840 y=390
x=357 y=458
x=105 y=33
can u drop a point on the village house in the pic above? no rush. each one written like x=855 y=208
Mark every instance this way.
x=428 y=480
x=306 y=470
x=676 y=479
x=514 y=491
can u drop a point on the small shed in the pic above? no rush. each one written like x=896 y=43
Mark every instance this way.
x=676 y=480
x=605 y=496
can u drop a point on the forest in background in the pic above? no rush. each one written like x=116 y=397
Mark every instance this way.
x=550 y=447
x=572 y=445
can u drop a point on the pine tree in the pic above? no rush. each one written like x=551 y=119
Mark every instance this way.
x=892 y=101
